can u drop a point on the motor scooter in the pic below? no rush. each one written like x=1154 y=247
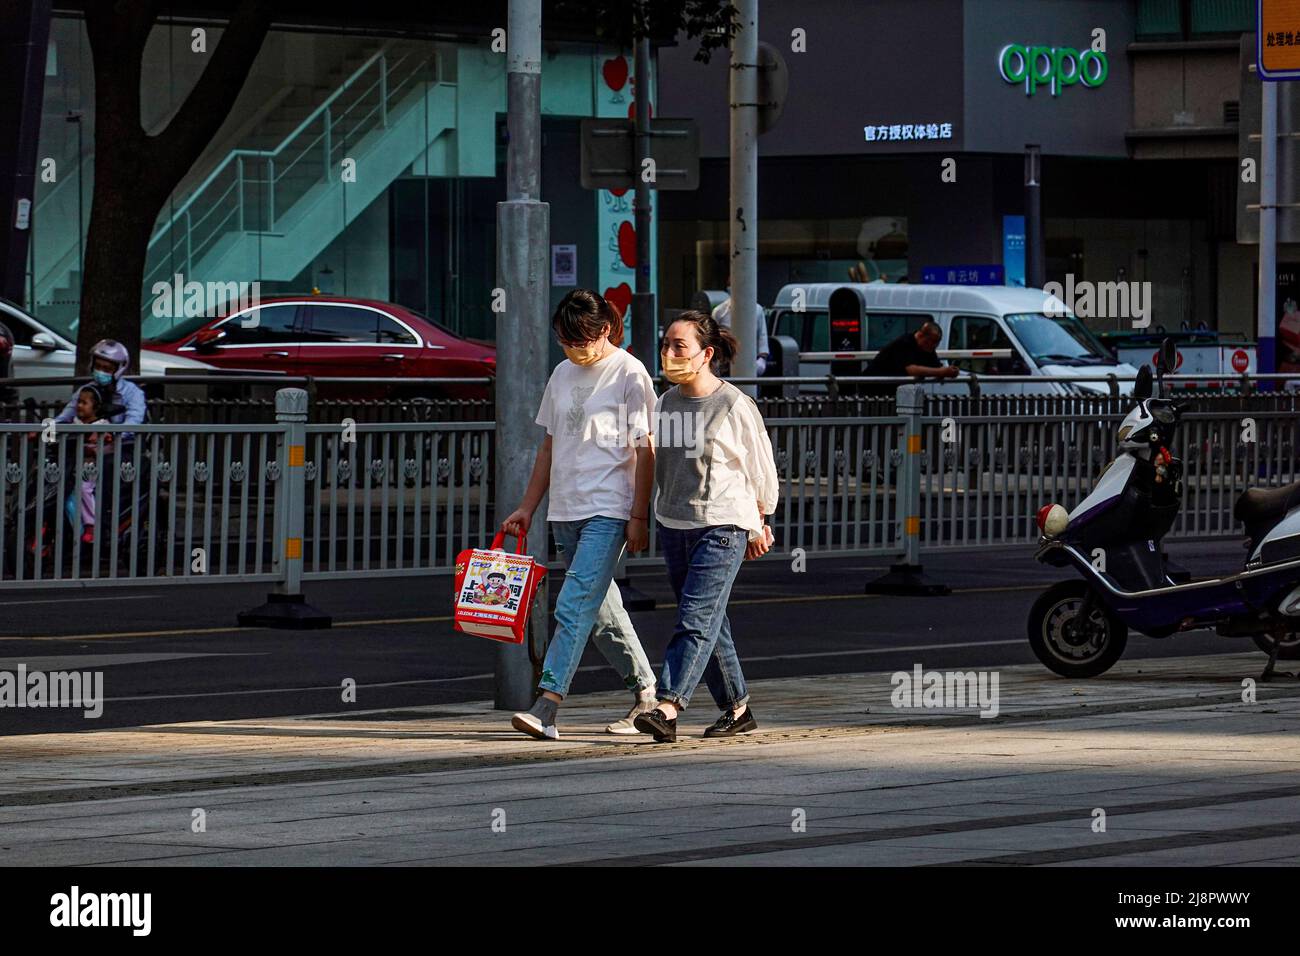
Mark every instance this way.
x=34 y=516
x=1079 y=628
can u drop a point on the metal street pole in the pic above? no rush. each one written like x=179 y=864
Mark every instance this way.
x=1266 y=359
x=644 y=321
x=744 y=190
x=1035 y=249
x=523 y=234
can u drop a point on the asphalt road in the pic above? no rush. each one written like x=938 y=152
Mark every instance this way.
x=174 y=654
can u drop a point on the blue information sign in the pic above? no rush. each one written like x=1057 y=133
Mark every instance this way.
x=1013 y=249
x=963 y=275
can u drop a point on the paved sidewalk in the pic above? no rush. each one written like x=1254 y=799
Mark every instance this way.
x=1184 y=770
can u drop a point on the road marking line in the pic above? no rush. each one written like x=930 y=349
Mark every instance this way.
x=590 y=667
x=433 y=619
x=111 y=634
x=120 y=597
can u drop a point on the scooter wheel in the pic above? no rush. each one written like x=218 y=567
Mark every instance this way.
x=1064 y=642
x=1289 y=651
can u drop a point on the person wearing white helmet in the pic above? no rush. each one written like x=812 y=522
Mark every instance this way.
x=109 y=361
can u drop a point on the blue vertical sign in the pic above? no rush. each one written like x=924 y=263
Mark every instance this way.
x=1013 y=249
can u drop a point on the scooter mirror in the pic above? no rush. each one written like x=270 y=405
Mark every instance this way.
x=1142 y=386
x=1168 y=357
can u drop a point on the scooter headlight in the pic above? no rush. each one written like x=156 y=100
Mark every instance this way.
x=1053 y=520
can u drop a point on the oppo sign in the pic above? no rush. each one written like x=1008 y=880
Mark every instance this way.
x=1057 y=67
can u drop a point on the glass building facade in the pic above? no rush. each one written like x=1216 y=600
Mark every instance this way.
x=355 y=165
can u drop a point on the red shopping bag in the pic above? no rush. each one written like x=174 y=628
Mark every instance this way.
x=495 y=590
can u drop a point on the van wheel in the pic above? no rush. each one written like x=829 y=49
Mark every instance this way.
x=1066 y=643
x=1289 y=651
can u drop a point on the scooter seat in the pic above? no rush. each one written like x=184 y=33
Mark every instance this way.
x=1261 y=508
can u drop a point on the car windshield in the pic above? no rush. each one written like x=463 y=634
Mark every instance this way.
x=181 y=330
x=1058 y=339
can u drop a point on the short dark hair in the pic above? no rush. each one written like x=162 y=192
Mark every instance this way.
x=583 y=314
x=930 y=327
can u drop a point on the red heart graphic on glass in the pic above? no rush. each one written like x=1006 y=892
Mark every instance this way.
x=631 y=110
x=620 y=297
x=618 y=192
x=627 y=244
x=615 y=73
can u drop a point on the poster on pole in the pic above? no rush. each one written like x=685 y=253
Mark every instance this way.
x=615 y=88
x=564 y=265
x=1287 y=336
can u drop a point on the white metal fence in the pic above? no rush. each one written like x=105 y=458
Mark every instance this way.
x=291 y=501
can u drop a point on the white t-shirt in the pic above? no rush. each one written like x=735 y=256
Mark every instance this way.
x=595 y=414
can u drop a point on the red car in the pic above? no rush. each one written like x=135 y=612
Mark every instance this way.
x=323 y=335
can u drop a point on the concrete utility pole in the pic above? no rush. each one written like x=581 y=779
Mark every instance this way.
x=644 y=320
x=1266 y=356
x=744 y=190
x=523 y=234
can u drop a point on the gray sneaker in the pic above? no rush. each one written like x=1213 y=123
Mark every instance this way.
x=644 y=703
x=538 y=721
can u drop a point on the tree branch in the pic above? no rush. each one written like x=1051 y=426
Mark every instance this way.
x=196 y=123
x=117 y=31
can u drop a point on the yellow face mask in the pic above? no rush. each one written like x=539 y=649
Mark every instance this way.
x=587 y=355
x=679 y=370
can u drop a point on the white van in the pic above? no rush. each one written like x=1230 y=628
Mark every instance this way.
x=852 y=317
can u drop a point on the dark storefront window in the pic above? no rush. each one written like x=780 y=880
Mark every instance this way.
x=444 y=250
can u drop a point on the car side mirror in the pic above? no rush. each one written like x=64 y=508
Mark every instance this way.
x=207 y=340
x=45 y=342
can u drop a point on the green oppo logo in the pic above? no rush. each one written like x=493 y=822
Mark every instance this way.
x=1054 y=66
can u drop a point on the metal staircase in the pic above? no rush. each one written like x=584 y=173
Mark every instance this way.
x=275 y=202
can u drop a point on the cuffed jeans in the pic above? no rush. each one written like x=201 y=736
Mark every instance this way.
x=702 y=566
x=589 y=605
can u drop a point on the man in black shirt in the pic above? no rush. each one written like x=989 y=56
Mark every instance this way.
x=912 y=353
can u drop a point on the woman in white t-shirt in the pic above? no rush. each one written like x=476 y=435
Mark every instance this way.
x=597 y=462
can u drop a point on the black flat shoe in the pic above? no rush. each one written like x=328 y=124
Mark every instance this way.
x=728 y=725
x=655 y=722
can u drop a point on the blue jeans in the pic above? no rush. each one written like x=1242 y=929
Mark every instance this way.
x=589 y=605
x=702 y=566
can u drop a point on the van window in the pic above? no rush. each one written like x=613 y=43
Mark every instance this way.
x=791 y=324
x=884 y=327
x=983 y=332
x=811 y=330
x=819 y=336
x=1058 y=340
